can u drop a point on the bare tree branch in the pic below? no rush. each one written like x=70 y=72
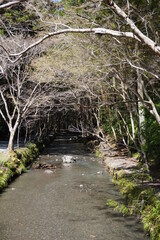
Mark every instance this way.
x=146 y=40
x=10 y=4
x=142 y=69
x=76 y=30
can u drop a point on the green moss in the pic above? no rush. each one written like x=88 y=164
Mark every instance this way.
x=136 y=155
x=3 y=181
x=16 y=163
x=98 y=154
x=1 y=31
x=5 y=177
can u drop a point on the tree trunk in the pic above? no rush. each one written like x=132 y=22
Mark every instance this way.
x=12 y=131
x=114 y=134
x=141 y=117
x=11 y=140
x=18 y=136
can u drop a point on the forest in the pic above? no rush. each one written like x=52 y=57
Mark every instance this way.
x=95 y=66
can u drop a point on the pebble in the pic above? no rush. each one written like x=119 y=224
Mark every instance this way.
x=92 y=236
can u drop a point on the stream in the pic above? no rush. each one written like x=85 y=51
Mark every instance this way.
x=68 y=204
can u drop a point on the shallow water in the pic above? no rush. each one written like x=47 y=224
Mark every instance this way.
x=69 y=204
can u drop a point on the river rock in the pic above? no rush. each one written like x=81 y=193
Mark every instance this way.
x=38 y=165
x=120 y=163
x=68 y=159
x=48 y=166
x=47 y=171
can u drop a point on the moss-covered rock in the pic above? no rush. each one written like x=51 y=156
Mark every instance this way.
x=17 y=163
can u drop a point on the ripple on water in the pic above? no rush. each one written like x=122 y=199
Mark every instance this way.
x=69 y=204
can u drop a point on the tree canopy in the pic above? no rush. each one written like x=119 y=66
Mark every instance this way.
x=104 y=55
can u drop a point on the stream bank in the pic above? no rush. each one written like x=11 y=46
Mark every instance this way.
x=15 y=163
x=141 y=194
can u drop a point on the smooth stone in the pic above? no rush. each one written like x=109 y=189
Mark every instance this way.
x=68 y=159
x=48 y=171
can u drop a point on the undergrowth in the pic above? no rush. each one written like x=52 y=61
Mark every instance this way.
x=139 y=199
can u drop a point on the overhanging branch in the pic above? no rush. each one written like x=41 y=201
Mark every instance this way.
x=10 y=4
x=102 y=31
x=146 y=40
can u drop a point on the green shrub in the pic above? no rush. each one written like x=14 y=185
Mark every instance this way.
x=151 y=220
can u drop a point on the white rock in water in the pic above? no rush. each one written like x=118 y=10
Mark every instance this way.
x=100 y=173
x=68 y=159
x=48 y=171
